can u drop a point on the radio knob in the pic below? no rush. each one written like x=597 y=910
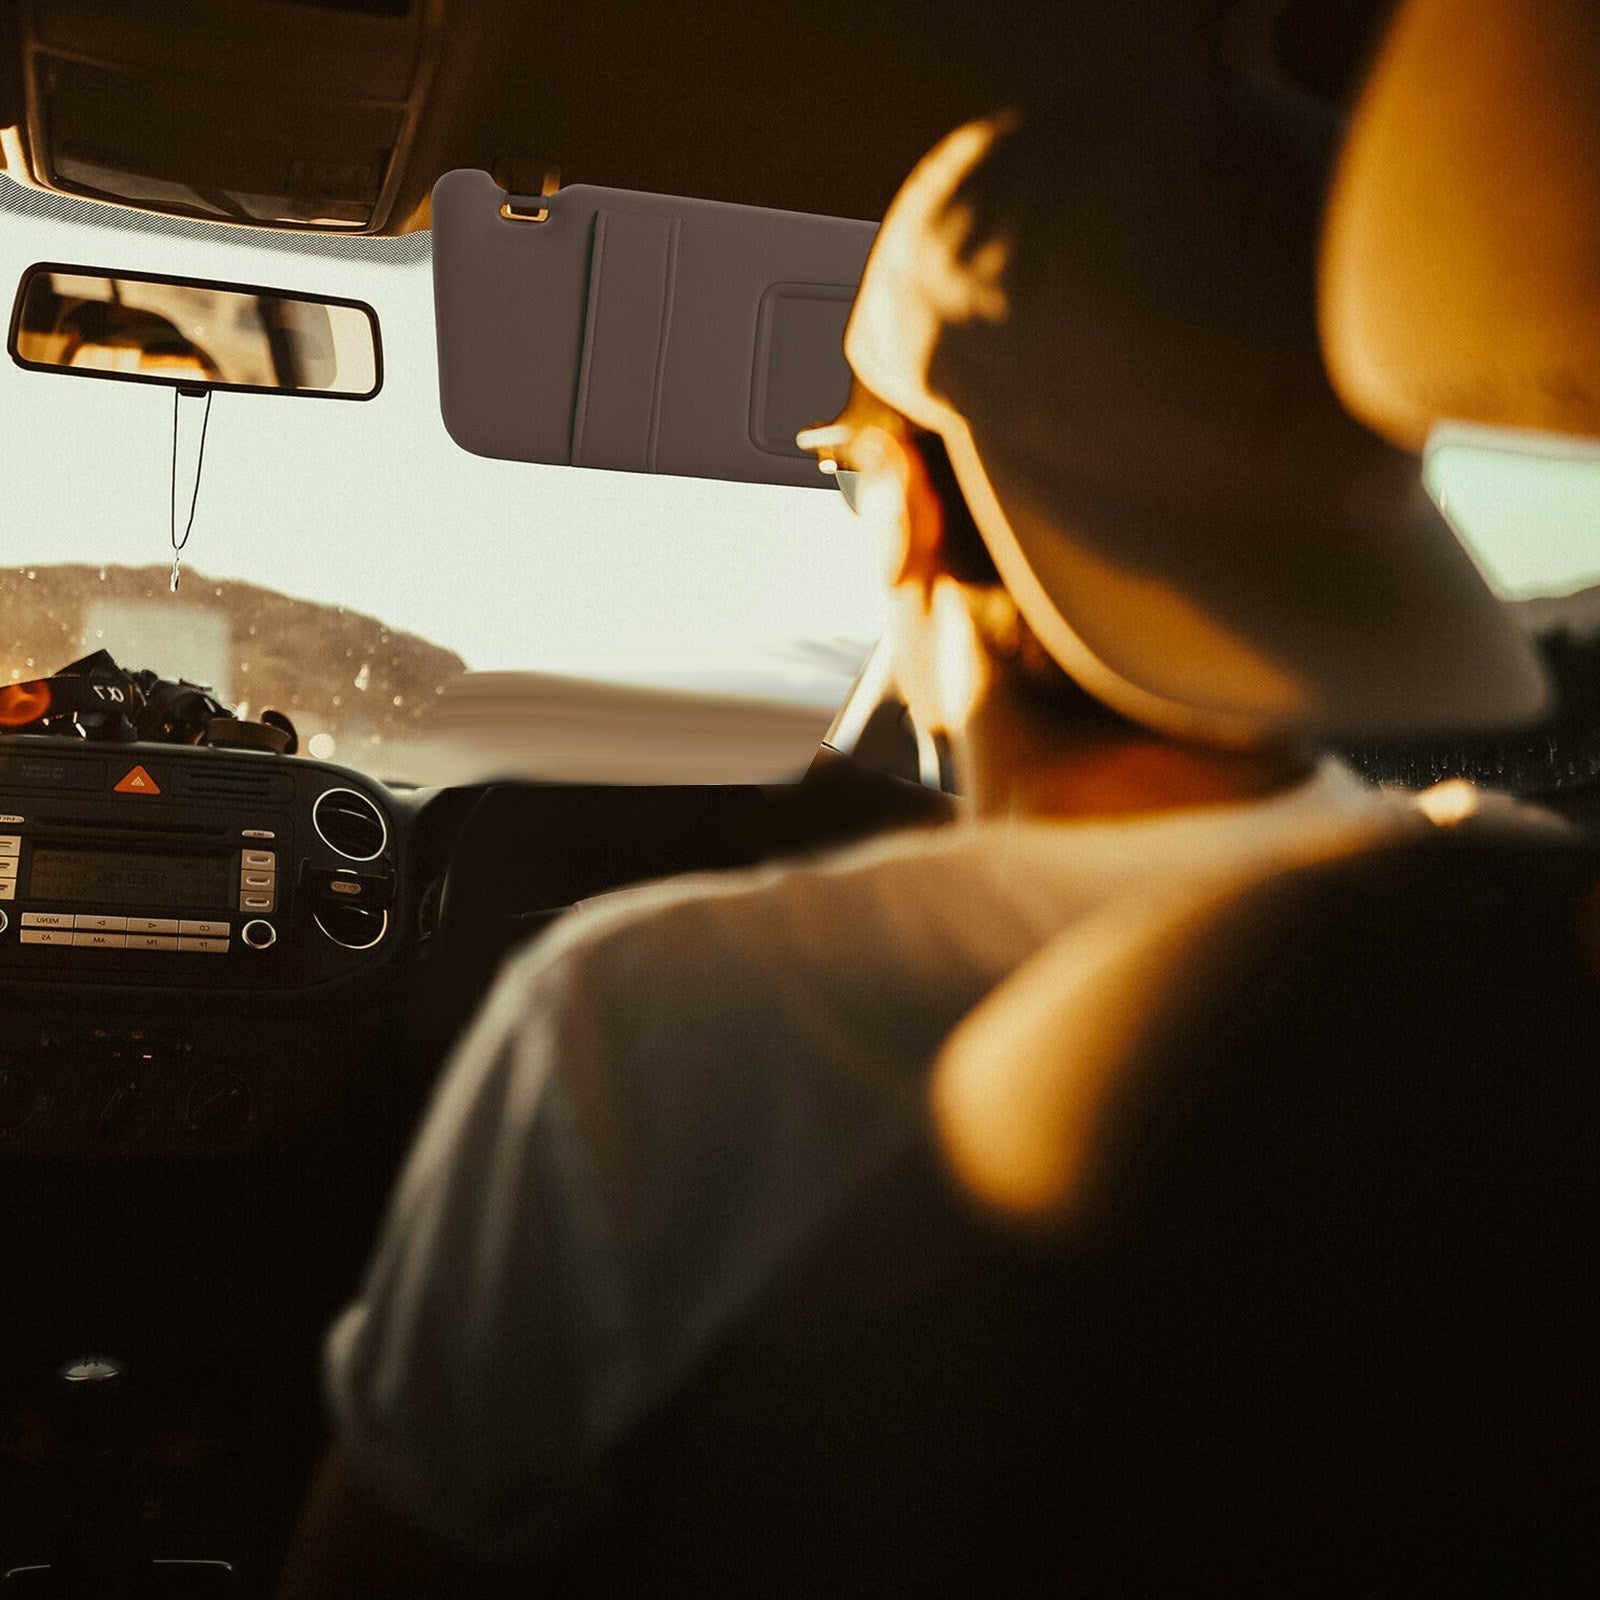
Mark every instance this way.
x=259 y=935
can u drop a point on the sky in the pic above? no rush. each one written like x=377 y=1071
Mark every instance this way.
x=670 y=581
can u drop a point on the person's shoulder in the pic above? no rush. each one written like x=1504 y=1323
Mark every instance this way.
x=739 y=915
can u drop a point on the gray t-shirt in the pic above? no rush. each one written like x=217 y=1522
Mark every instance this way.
x=674 y=1091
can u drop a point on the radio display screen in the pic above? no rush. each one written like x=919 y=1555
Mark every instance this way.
x=116 y=878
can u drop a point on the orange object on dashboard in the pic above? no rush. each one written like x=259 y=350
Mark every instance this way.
x=136 y=781
x=24 y=703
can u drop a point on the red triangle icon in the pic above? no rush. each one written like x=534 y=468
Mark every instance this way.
x=137 y=781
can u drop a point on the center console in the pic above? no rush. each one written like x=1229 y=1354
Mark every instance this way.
x=186 y=867
x=193 y=943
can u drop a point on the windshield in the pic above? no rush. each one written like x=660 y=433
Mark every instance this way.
x=348 y=561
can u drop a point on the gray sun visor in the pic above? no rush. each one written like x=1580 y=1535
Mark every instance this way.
x=640 y=332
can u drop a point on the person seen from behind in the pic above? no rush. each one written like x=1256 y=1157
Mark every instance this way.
x=1142 y=568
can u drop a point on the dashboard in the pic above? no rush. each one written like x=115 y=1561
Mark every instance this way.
x=207 y=953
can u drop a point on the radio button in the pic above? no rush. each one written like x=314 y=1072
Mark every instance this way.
x=8 y=866
x=258 y=859
x=99 y=924
x=255 y=902
x=46 y=919
x=204 y=930
x=152 y=925
x=101 y=941
x=258 y=880
x=151 y=941
x=46 y=936
x=11 y=844
x=8 y=888
x=210 y=947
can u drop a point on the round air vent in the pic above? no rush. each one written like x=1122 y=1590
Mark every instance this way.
x=350 y=824
x=354 y=927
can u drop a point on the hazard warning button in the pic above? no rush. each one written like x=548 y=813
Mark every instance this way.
x=137 y=781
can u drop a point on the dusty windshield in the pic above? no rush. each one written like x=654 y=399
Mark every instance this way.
x=348 y=563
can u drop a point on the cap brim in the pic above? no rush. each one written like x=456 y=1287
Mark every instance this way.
x=1231 y=630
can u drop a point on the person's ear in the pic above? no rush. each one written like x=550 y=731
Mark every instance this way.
x=920 y=562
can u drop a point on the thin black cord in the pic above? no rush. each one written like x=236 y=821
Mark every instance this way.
x=200 y=461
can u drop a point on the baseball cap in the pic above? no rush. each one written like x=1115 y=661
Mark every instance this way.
x=1100 y=317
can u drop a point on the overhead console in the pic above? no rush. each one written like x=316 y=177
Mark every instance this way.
x=281 y=116
x=179 y=867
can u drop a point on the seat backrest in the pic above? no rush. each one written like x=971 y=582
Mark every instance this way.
x=1337 y=1222
x=1317 y=1315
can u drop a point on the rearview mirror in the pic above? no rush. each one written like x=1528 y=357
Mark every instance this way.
x=187 y=333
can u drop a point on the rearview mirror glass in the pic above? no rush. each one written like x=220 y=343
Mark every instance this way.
x=142 y=328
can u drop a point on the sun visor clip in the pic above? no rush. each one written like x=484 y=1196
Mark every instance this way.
x=527 y=207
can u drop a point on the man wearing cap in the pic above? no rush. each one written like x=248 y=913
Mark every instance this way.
x=1140 y=565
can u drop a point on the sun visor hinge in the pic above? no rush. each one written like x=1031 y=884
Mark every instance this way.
x=528 y=182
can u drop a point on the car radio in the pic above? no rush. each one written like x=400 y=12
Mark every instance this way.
x=189 y=866
x=147 y=899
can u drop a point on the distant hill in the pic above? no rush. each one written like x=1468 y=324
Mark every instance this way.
x=326 y=666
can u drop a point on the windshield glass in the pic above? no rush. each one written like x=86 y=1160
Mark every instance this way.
x=1524 y=504
x=347 y=560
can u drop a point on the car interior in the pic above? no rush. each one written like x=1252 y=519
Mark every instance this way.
x=265 y=841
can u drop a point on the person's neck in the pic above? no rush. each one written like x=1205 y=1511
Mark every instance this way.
x=1012 y=768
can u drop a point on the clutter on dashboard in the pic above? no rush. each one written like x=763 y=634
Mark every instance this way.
x=94 y=698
